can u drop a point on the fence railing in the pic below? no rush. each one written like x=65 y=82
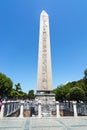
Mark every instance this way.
x=32 y=108
x=82 y=109
x=9 y=107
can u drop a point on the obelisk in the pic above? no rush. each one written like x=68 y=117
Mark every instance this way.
x=44 y=77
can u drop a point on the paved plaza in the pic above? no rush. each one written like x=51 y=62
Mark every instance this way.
x=34 y=123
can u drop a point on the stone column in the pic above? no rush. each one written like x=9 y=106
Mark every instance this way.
x=14 y=106
x=39 y=109
x=8 y=107
x=74 y=108
x=2 y=110
x=85 y=109
x=21 y=109
x=57 y=110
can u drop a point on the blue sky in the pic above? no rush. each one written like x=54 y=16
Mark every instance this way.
x=19 y=36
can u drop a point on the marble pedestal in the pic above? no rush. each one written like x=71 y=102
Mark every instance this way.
x=47 y=103
x=45 y=98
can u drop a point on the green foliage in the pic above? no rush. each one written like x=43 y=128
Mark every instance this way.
x=6 y=85
x=7 y=90
x=76 y=90
x=31 y=94
x=14 y=94
x=77 y=94
x=19 y=94
x=22 y=95
x=18 y=87
x=60 y=93
x=85 y=73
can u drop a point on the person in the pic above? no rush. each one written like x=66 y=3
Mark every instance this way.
x=0 y=105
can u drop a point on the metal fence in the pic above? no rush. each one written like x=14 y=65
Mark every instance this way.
x=10 y=107
x=82 y=109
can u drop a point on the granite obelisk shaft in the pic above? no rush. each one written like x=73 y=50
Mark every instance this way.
x=44 y=80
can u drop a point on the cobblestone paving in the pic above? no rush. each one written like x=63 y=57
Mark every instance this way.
x=63 y=123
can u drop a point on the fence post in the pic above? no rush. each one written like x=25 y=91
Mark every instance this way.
x=2 y=110
x=57 y=110
x=74 y=108
x=21 y=109
x=8 y=107
x=39 y=109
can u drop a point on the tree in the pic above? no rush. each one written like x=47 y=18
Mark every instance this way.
x=18 y=87
x=6 y=85
x=14 y=94
x=19 y=93
x=77 y=94
x=31 y=94
x=85 y=83
x=76 y=90
x=60 y=93
x=24 y=96
x=85 y=73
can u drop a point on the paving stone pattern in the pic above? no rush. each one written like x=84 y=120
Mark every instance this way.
x=45 y=123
